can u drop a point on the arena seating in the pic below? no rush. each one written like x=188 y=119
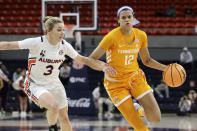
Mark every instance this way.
x=23 y=17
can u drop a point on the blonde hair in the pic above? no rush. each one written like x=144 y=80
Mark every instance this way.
x=50 y=21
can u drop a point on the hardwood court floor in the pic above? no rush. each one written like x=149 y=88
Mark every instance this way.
x=37 y=122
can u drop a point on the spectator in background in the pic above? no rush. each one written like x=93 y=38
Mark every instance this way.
x=16 y=74
x=101 y=97
x=65 y=73
x=188 y=11
x=162 y=87
x=184 y=105
x=171 y=11
x=4 y=91
x=1 y=94
x=19 y=83
x=186 y=59
x=1 y=83
x=192 y=91
x=3 y=75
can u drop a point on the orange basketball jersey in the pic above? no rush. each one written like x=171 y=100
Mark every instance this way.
x=122 y=51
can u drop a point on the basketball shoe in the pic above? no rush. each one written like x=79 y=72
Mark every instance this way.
x=53 y=128
x=140 y=111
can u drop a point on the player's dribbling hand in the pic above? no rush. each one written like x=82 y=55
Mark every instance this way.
x=109 y=70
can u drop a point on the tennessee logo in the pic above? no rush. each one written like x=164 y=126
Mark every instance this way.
x=116 y=99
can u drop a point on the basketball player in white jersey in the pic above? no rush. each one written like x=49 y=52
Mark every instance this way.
x=42 y=85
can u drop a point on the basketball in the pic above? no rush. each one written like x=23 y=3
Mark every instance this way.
x=174 y=75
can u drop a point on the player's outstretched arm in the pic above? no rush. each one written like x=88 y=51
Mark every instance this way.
x=96 y=64
x=9 y=45
x=148 y=61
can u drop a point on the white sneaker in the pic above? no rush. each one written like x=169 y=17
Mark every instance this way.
x=23 y=114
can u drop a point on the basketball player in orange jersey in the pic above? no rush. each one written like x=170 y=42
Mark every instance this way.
x=122 y=46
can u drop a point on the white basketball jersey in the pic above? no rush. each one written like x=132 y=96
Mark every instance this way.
x=44 y=59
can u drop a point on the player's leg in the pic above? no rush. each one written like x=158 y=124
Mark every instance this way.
x=64 y=119
x=143 y=93
x=151 y=108
x=131 y=115
x=42 y=97
x=121 y=97
x=48 y=101
x=60 y=95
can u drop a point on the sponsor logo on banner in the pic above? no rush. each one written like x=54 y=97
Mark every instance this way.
x=81 y=102
x=77 y=79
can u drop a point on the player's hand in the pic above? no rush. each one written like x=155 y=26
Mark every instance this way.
x=109 y=70
x=168 y=66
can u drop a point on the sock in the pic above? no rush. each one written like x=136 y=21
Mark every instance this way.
x=53 y=128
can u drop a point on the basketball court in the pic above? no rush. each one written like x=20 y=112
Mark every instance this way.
x=37 y=122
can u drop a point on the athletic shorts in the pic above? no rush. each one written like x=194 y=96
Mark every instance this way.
x=34 y=91
x=134 y=86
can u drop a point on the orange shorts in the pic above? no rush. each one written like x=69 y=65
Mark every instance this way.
x=136 y=86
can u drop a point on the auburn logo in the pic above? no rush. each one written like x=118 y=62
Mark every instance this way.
x=61 y=52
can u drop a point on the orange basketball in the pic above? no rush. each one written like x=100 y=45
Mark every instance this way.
x=174 y=75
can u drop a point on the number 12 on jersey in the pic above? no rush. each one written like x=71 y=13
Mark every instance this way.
x=128 y=59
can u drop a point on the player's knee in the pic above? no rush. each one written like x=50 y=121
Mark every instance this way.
x=54 y=107
x=155 y=119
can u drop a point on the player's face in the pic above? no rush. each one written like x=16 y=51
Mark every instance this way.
x=126 y=19
x=57 y=33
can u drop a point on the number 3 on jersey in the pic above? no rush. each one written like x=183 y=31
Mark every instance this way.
x=128 y=59
x=49 y=70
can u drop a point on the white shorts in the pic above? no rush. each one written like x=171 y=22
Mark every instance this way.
x=34 y=92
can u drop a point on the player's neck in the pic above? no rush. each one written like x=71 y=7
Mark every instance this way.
x=51 y=40
x=126 y=31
